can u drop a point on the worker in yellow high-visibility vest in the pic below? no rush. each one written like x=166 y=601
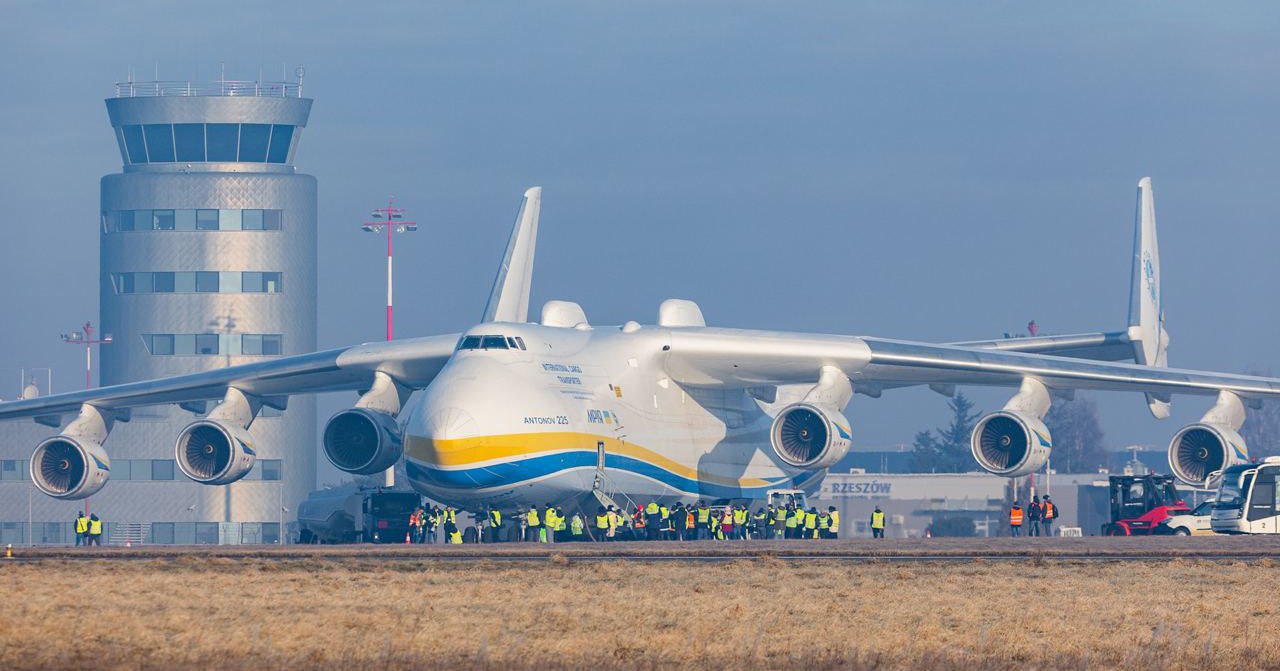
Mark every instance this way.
x=95 y=530
x=833 y=527
x=82 y=528
x=877 y=523
x=533 y=524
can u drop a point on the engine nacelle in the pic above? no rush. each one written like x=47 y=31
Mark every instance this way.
x=214 y=453
x=362 y=441
x=1010 y=444
x=809 y=437
x=1201 y=449
x=67 y=467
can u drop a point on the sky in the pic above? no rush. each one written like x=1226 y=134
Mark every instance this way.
x=924 y=170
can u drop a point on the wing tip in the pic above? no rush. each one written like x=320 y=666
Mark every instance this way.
x=1144 y=183
x=533 y=192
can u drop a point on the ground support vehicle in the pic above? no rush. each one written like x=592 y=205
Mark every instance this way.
x=1195 y=523
x=1139 y=503
x=359 y=516
x=1246 y=502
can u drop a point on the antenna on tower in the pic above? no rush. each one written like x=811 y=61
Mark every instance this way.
x=300 y=72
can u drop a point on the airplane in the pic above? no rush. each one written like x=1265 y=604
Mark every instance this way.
x=512 y=412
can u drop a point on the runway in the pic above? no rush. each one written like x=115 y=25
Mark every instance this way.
x=1090 y=549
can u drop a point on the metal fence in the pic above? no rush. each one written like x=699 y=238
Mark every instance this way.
x=147 y=533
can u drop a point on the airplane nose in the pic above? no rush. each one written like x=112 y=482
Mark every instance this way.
x=449 y=422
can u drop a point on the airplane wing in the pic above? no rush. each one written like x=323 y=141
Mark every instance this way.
x=740 y=358
x=1112 y=346
x=412 y=362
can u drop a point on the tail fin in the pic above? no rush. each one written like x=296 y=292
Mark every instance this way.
x=1146 y=309
x=509 y=300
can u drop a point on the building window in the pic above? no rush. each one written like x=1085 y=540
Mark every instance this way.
x=206 y=220
x=281 y=136
x=193 y=220
x=223 y=139
x=270 y=469
x=253 y=142
x=215 y=142
x=206 y=344
x=13 y=469
x=159 y=142
x=188 y=140
x=134 y=144
x=202 y=281
x=160 y=344
x=162 y=469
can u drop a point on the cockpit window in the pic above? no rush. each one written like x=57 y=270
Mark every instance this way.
x=490 y=342
x=520 y=342
x=493 y=342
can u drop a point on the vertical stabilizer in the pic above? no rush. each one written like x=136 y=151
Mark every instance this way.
x=1146 y=302
x=509 y=300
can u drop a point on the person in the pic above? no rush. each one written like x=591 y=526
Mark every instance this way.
x=824 y=522
x=1048 y=513
x=433 y=523
x=533 y=524
x=651 y=513
x=690 y=524
x=602 y=524
x=82 y=528
x=793 y=520
x=551 y=523
x=495 y=524
x=713 y=526
x=810 y=524
x=639 y=522
x=760 y=524
x=877 y=523
x=1033 y=516
x=833 y=529
x=615 y=521
x=576 y=526
x=95 y=530
x=664 y=522
x=740 y=517
x=704 y=521
x=779 y=522
x=1015 y=520
x=421 y=529
x=451 y=530
x=728 y=527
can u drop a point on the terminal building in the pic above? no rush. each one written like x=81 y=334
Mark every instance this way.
x=208 y=259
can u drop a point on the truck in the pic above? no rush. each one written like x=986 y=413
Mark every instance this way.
x=1139 y=503
x=373 y=515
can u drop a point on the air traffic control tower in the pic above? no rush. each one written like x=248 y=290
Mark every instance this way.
x=208 y=260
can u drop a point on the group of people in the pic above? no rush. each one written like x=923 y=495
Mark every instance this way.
x=652 y=521
x=88 y=530
x=1039 y=517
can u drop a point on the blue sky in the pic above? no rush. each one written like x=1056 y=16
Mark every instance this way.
x=919 y=170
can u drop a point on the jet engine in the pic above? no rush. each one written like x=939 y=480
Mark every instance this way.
x=1199 y=450
x=1010 y=444
x=214 y=453
x=67 y=467
x=362 y=441
x=809 y=437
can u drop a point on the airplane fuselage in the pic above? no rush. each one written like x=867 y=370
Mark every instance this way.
x=529 y=414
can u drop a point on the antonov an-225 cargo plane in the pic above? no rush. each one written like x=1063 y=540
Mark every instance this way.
x=512 y=412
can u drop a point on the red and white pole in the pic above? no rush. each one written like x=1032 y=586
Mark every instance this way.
x=389 y=328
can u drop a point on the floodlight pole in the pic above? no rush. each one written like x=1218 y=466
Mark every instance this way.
x=392 y=221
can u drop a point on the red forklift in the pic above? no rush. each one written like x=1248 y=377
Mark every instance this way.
x=1139 y=503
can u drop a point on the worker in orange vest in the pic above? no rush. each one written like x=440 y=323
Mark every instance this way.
x=1048 y=515
x=1015 y=520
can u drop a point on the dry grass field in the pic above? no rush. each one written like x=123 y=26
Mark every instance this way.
x=560 y=613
